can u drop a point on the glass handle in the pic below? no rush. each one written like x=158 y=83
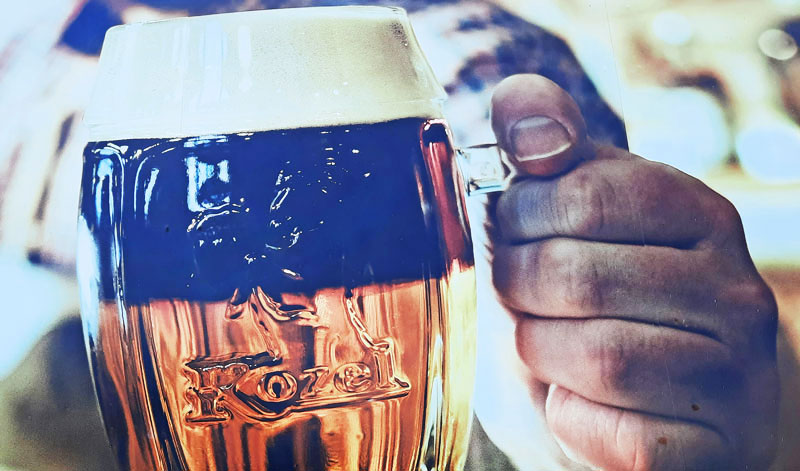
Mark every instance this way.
x=483 y=169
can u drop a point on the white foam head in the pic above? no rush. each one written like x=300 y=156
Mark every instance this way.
x=260 y=70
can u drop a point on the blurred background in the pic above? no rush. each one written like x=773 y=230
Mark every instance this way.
x=711 y=87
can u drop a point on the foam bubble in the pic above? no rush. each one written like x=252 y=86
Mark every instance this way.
x=262 y=70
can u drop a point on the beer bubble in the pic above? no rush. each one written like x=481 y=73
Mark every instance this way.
x=292 y=275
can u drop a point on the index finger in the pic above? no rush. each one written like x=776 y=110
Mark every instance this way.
x=538 y=125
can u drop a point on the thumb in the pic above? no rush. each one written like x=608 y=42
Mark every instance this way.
x=539 y=126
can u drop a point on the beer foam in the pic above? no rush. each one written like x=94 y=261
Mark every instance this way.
x=259 y=71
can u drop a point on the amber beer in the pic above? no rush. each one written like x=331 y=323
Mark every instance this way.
x=275 y=264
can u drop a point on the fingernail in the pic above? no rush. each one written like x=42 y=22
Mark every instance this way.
x=538 y=137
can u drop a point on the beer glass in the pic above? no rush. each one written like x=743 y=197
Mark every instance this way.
x=275 y=263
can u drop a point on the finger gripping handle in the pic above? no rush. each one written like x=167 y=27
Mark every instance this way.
x=483 y=169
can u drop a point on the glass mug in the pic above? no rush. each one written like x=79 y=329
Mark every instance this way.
x=275 y=262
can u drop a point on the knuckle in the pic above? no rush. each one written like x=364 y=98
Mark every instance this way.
x=668 y=451
x=518 y=210
x=505 y=272
x=580 y=206
x=758 y=300
x=577 y=280
x=650 y=181
x=512 y=275
x=762 y=300
x=522 y=337
x=661 y=172
x=725 y=217
x=644 y=457
x=554 y=254
x=752 y=298
x=615 y=365
x=757 y=312
x=509 y=210
x=711 y=209
x=685 y=446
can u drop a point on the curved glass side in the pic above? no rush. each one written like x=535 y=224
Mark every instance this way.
x=280 y=299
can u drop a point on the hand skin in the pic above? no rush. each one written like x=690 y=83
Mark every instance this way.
x=647 y=333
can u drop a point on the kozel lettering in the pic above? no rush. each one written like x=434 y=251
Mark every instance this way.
x=258 y=388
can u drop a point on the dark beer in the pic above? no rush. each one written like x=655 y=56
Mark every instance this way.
x=278 y=300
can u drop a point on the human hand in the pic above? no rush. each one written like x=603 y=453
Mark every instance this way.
x=647 y=333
